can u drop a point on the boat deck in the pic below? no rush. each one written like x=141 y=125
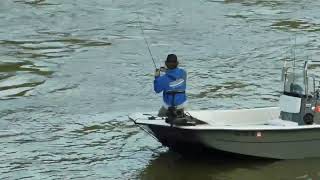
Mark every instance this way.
x=273 y=124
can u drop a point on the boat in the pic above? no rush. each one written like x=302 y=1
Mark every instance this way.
x=289 y=131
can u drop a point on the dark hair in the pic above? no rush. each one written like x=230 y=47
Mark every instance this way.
x=172 y=61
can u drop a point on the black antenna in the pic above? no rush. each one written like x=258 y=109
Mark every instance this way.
x=155 y=66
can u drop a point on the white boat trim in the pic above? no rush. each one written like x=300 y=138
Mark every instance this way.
x=228 y=127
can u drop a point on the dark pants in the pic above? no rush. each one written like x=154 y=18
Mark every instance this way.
x=162 y=112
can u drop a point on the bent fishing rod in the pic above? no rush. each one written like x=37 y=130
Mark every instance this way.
x=155 y=66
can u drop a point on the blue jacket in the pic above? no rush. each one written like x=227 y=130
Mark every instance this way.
x=173 y=79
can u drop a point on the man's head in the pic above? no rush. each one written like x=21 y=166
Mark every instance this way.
x=172 y=61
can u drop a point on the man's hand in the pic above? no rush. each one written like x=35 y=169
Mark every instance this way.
x=157 y=73
x=163 y=69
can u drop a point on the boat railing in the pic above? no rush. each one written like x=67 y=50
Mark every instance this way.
x=305 y=76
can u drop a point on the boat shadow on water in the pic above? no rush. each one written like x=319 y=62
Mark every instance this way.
x=206 y=166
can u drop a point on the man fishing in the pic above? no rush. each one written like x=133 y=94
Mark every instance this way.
x=172 y=84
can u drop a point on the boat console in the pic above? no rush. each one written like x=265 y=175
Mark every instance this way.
x=300 y=95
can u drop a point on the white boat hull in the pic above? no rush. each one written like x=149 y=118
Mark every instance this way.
x=265 y=137
x=277 y=144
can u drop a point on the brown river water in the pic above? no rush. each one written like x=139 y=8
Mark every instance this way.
x=72 y=71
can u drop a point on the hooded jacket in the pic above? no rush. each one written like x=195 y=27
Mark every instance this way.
x=173 y=79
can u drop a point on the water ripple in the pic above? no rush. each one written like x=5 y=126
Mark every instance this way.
x=35 y=2
x=296 y=24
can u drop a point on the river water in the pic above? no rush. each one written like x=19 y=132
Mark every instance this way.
x=71 y=72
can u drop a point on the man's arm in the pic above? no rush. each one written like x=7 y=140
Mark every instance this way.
x=185 y=75
x=159 y=83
